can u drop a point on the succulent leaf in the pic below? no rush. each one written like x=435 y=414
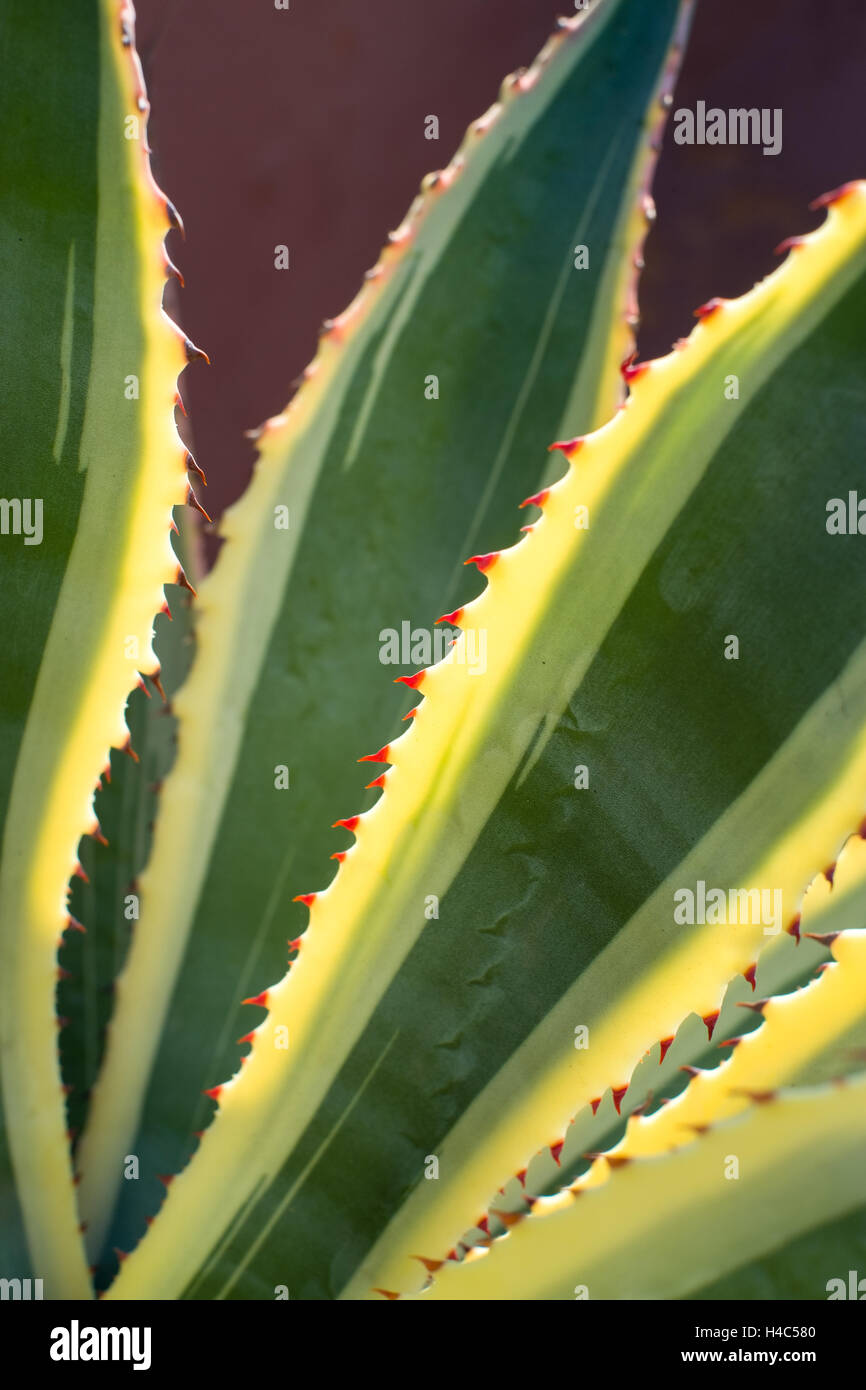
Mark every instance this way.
x=582 y=1010
x=93 y=364
x=640 y=988
x=652 y=1228
x=776 y=754
x=289 y=672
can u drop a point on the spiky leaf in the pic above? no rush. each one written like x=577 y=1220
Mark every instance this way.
x=366 y=497
x=557 y=902
x=91 y=365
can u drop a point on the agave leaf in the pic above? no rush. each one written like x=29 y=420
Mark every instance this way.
x=105 y=903
x=93 y=366
x=289 y=671
x=820 y=1038
x=766 y=787
x=795 y=1028
x=535 y=1094
x=662 y=1227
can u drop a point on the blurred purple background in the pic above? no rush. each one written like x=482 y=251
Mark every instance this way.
x=305 y=127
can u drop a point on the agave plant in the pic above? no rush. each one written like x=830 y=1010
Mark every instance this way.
x=580 y=1013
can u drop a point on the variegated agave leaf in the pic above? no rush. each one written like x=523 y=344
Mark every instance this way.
x=90 y=367
x=556 y=893
x=387 y=465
